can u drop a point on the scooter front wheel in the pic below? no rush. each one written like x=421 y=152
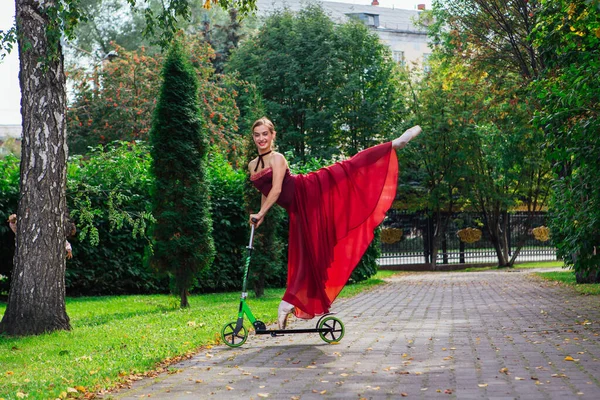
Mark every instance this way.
x=231 y=338
x=335 y=329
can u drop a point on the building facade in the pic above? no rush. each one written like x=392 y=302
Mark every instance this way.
x=395 y=27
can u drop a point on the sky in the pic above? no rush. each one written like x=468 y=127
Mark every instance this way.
x=10 y=93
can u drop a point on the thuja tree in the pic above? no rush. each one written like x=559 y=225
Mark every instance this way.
x=568 y=37
x=183 y=244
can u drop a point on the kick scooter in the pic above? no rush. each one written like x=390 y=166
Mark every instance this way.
x=234 y=334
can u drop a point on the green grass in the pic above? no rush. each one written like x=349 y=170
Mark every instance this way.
x=568 y=278
x=529 y=265
x=113 y=337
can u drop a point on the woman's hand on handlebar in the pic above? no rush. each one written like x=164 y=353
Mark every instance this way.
x=256 y=219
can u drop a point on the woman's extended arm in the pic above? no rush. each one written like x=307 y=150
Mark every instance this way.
x=278 y=166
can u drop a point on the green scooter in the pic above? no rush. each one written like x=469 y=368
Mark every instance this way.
x=234 y=334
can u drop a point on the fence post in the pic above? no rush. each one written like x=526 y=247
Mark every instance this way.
x=509 y=234
x=444 y=249
x=427 y=245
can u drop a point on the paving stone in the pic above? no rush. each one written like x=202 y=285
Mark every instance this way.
x=428 y=335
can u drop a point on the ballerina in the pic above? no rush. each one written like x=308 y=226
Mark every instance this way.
x=332 y=211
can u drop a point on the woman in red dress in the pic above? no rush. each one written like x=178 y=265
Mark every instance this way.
x=333 y=212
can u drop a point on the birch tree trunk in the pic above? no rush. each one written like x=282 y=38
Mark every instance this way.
x=36 y=301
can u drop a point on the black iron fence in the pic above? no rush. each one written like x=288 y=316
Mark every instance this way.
x=407 y=238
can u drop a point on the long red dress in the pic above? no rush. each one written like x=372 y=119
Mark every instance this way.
x=332 y=212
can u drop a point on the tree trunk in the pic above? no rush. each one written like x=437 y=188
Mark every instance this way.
x=185 y=302
x=259 y=284
x=36 y=301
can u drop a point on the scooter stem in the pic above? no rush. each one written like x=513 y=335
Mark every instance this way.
x=247 y=266
x=251 y=237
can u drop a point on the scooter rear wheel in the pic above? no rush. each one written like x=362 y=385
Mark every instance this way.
x=335 y=327
x=232 y=339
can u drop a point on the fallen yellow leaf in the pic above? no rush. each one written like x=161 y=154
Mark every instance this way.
x=569 y=358
x=263 y=395
x=229 y=387
x=482 y=385
x=519 y=379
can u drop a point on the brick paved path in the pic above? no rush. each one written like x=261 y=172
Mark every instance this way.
x=457 y=335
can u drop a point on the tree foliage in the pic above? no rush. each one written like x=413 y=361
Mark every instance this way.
x=368 y=99
x=568 y=38
x=183 y=231
x=116 y=101
x=329 y=89
x=291 y=61
x=495 y=34
x=489 y=42
x=433 y=170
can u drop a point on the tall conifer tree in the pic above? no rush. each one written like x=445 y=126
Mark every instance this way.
x=183 y=231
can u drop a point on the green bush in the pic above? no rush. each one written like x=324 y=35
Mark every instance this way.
x=230 y=228
x=108 y=195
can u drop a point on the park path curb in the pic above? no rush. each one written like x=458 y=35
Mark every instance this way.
x=426 y=335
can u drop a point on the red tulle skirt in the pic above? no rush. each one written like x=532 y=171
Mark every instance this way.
x=333 y=214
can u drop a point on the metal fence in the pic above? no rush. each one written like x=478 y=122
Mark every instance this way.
x=407 y=239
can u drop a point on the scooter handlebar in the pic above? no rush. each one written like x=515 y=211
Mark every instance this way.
x=254 y=220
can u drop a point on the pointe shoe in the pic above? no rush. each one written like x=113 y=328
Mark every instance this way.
x=285 y=309
x=406 y=137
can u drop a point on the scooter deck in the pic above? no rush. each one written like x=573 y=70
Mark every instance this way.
x=290 y=331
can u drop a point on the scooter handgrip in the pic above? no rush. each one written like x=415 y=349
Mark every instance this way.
x=255 y=220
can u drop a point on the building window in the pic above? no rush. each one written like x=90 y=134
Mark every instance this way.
x=426 y=66
x=367 y=19
x=398 y=57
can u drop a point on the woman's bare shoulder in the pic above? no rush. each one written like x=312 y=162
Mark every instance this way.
x=252 y=164
x=278 y=160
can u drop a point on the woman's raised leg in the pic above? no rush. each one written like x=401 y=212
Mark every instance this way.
x=402 y=141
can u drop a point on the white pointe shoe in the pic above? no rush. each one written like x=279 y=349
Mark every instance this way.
x=406 y=137
x=285 y=309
